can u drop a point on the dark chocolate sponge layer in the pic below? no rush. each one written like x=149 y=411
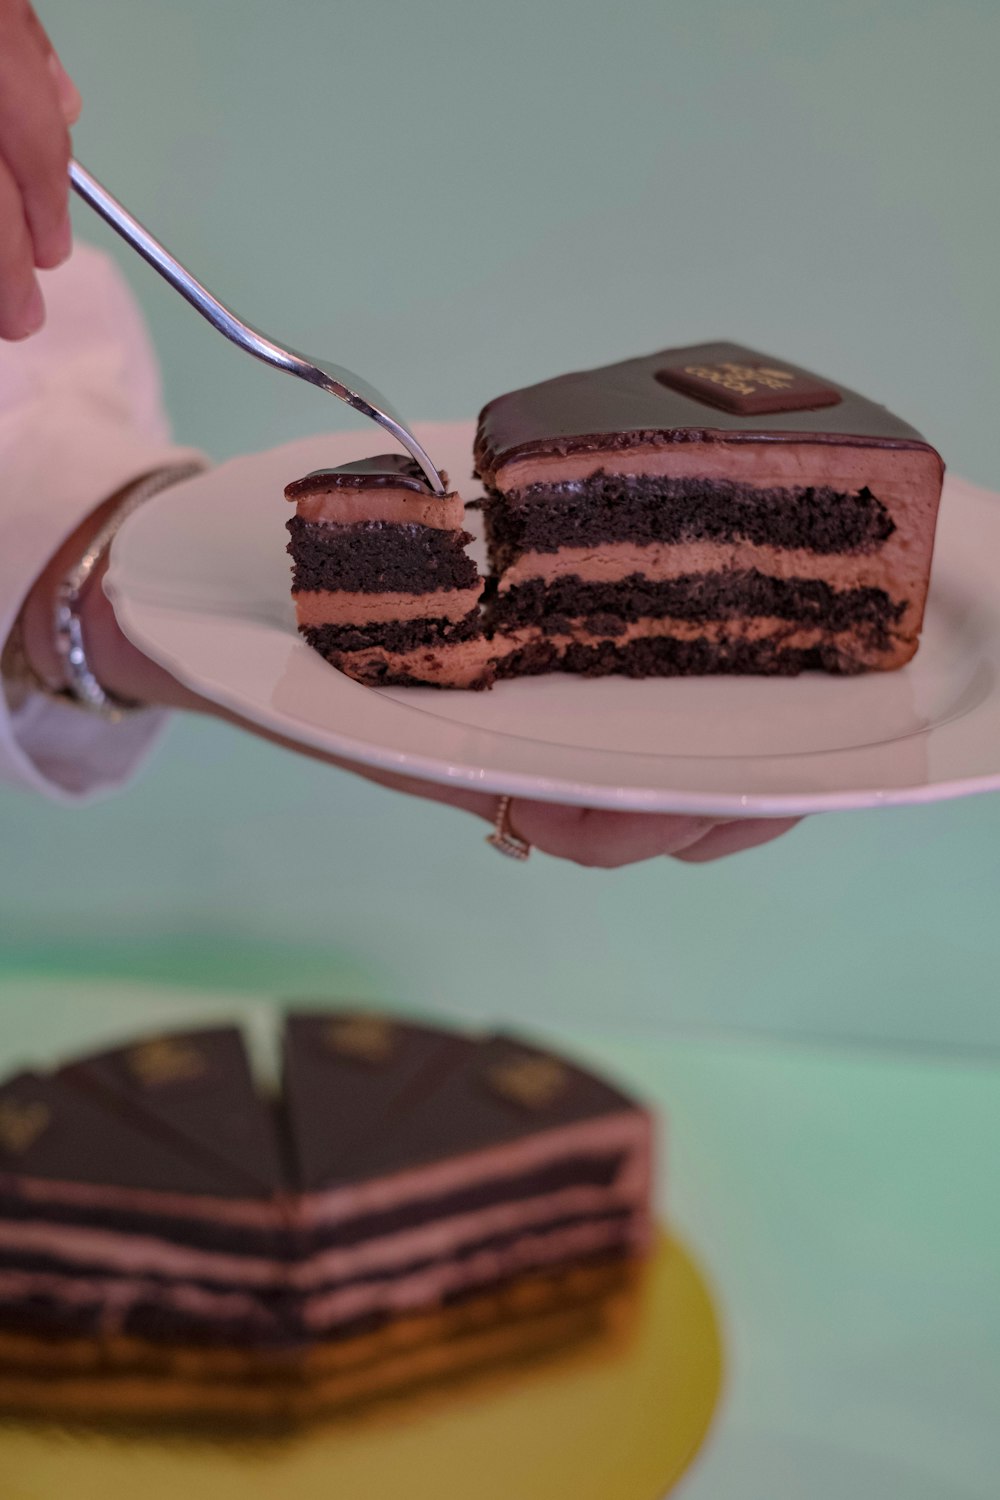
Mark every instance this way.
x=403 y=635
x=666 y=656
x=383 y=673
x=608 y=607
x=643 y=509
x=377 y=557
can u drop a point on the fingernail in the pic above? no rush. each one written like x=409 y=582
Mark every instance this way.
x=62 y=242
x=69 y=95
x=34 y=312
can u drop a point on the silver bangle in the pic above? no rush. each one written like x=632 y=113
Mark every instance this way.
x=82 y=687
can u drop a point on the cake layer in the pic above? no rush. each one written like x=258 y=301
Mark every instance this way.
x=513 y=1302
x=125 y=1378
x=395 y=507
x=615 y=563
x=370 y=1245
x=374 y=556
x=697 y=597
x=144 y=1306
x=416 y=635
x=680 y=649
x=340 y=607
x=462 y=664
x=648 y=507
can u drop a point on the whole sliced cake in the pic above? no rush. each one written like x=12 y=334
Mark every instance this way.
x=704 y=509
x=383 y=586
x=418 y=1203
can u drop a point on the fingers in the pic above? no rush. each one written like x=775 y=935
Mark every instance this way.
x=21 y=307
x=606 y=840
x=67 y=91
x=733 y=838
x=70 y=101
x=37 y=101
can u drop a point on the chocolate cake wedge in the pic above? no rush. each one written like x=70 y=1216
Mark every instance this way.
x=383 y=586
x=704 y=509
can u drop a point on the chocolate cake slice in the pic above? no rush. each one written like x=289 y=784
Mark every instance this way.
x=704 y=509
x=383 y=586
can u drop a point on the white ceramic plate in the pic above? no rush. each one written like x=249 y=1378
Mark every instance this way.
x=199 y=579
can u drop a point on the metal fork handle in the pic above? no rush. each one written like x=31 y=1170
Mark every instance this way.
x=235 y=329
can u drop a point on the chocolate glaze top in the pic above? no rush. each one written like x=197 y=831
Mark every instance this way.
x=363 y=1096
x=624 y=404
x=51 y=1128
x=385 y=470
x=196 y=1088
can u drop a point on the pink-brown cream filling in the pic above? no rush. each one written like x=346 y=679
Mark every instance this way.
x=339 y=607
x=843 y=466
x=132 y=1255
x=398 y=507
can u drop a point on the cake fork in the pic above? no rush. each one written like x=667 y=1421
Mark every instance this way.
x=329 y=377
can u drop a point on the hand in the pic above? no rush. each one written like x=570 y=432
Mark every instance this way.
x=38 y=103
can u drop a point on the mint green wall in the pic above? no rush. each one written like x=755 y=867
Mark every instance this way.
x=456 y=198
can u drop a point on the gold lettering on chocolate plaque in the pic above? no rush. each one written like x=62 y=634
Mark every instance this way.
x=165 y=1060
x=369 y=1039
x=535 y=1082
x=22 y=1124
x=743 y=379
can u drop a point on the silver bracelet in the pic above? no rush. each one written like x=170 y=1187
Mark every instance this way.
x=82 y=687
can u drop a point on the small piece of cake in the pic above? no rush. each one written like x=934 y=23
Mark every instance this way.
x=704 y=509
x=383 y=586
x=418 y=1203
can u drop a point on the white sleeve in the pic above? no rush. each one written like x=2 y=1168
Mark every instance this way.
x=80 y=416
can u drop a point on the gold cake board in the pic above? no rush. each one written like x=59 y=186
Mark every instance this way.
x=619 y=1418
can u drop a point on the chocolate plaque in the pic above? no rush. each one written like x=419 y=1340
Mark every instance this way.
x=748 y=389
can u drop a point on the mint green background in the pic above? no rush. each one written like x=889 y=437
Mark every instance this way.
x=456 y=198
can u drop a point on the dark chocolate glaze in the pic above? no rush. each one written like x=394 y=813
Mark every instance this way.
x=426 y=1130
x=217 y=1112
x=335 y=1100
x=387 y=470
x=624 y=404
x=86 y=1139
